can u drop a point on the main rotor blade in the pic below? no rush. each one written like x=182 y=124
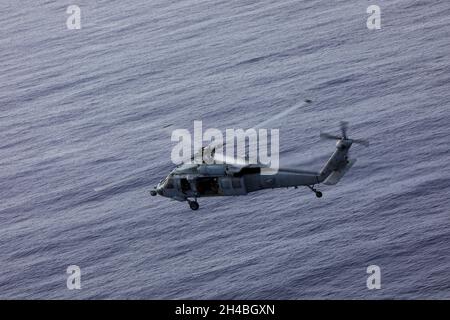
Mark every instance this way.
x=344 y=128
x=298 y=161
x=229 y=160
x=281 y=114
x=215 y=145
x=324 y=135
x=365 y=143
x=298 y=171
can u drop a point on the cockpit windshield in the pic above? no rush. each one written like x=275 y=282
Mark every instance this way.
x=168 y=182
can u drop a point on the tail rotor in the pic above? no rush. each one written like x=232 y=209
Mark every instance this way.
x=343 y=136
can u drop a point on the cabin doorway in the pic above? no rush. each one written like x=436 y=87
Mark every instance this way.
x=185 y=185
x=207 y=186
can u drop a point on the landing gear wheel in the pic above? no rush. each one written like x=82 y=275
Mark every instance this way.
x=317 y=192
x=194 y=205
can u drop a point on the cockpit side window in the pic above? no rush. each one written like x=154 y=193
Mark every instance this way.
x=169 y=183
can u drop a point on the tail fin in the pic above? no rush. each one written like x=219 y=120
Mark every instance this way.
x=336 y=175
x=338 y=164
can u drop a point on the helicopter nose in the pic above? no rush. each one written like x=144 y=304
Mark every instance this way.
x=159 y=191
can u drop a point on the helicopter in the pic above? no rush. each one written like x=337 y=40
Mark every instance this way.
x=190 y=181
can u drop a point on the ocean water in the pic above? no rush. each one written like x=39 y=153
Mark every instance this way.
x=85 y=124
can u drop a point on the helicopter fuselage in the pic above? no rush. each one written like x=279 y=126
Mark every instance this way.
x=192 y=181
x=203 y=180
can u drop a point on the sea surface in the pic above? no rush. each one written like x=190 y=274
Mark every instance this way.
x=85 y=124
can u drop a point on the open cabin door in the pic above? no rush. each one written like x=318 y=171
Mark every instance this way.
x=207 y=186
x=185 y=185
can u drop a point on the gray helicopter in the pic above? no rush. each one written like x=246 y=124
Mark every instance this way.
x=190 y=181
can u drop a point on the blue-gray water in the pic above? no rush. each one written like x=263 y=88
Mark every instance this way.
x=85 y=123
